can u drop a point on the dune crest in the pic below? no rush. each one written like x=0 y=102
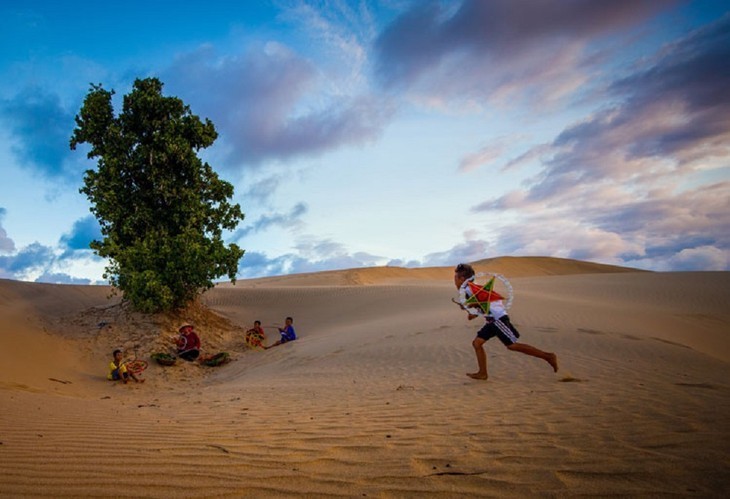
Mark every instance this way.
x=526 y=266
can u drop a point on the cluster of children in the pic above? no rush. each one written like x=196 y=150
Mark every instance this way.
x=187 y=344
x=497 y=325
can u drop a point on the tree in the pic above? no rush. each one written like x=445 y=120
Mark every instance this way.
x=160 y=208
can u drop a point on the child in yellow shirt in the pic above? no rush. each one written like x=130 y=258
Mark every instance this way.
x=118 y=370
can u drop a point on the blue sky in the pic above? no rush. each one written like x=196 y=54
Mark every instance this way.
x=392 y=132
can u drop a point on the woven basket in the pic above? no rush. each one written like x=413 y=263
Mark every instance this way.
x=164 y=359
x=217 y=360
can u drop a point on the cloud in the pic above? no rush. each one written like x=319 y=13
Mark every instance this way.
x=288 y=220
x=630 y=176
x=42 y=128
x=47 y=264
x=606 y=225
x=262 y=190
x=683 y=96
x=257 y=264
x=700 y=258
x=566 y=238
x=485 y=156
x=471 y=250
x=538 y=237
x=61 y=278
x=7 y=245
x=500 y=50
x=312 y=255
x=272 y=104
x=672 y=119
x=84 y=231
x=32 y=258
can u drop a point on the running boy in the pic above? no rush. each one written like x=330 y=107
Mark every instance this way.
x=499 y=325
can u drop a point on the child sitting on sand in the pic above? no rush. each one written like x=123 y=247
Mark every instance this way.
x=118 y=370
x=188 y=343
x=287 y=333
x=499 y=325
x=255 y=336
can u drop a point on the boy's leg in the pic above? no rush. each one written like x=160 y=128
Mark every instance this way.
x=478 y=345
x=548 y=357
x=277 y=343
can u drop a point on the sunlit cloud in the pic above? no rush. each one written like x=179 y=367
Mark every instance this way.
x=269 y=103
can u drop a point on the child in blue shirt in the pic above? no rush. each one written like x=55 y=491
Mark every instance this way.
x=287 y=333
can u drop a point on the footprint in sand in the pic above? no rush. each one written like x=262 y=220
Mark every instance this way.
x=568 y=378
x=707 y=386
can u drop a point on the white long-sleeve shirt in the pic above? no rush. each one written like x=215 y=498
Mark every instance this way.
x=496 y=308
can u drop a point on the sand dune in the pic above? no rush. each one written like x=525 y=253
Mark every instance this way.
x=372 y=399
x=510 y=266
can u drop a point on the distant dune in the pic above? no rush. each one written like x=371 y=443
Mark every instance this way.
x=372 y=399
x=508 y=266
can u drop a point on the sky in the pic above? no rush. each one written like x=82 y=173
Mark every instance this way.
x=409 y=133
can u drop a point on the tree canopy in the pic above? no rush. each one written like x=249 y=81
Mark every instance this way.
x=162 y=210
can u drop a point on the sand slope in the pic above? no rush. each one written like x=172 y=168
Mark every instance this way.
x=372 y=400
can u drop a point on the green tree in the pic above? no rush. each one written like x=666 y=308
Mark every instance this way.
x=161 y=209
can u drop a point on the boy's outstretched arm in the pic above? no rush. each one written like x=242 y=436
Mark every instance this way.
x=470 y=316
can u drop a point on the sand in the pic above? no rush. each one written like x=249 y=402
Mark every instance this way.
x=372 y=400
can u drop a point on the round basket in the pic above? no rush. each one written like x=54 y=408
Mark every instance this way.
x=164 y=359
x=217 y=360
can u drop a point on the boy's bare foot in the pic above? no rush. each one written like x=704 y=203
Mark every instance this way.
x=552 y=359
x=477 y=375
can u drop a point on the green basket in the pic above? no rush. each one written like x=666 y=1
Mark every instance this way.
x=164 y=359
x=217 y=360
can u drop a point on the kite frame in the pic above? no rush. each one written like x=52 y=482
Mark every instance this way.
x=136 y=366
x=491 y=275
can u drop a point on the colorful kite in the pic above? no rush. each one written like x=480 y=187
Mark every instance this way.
x=136 y=366
x=479 y=297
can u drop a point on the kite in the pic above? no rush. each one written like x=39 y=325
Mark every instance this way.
x=164 y=359
x=136 y=366
x=216 y=360
x=254 y=339
x=479 y=297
